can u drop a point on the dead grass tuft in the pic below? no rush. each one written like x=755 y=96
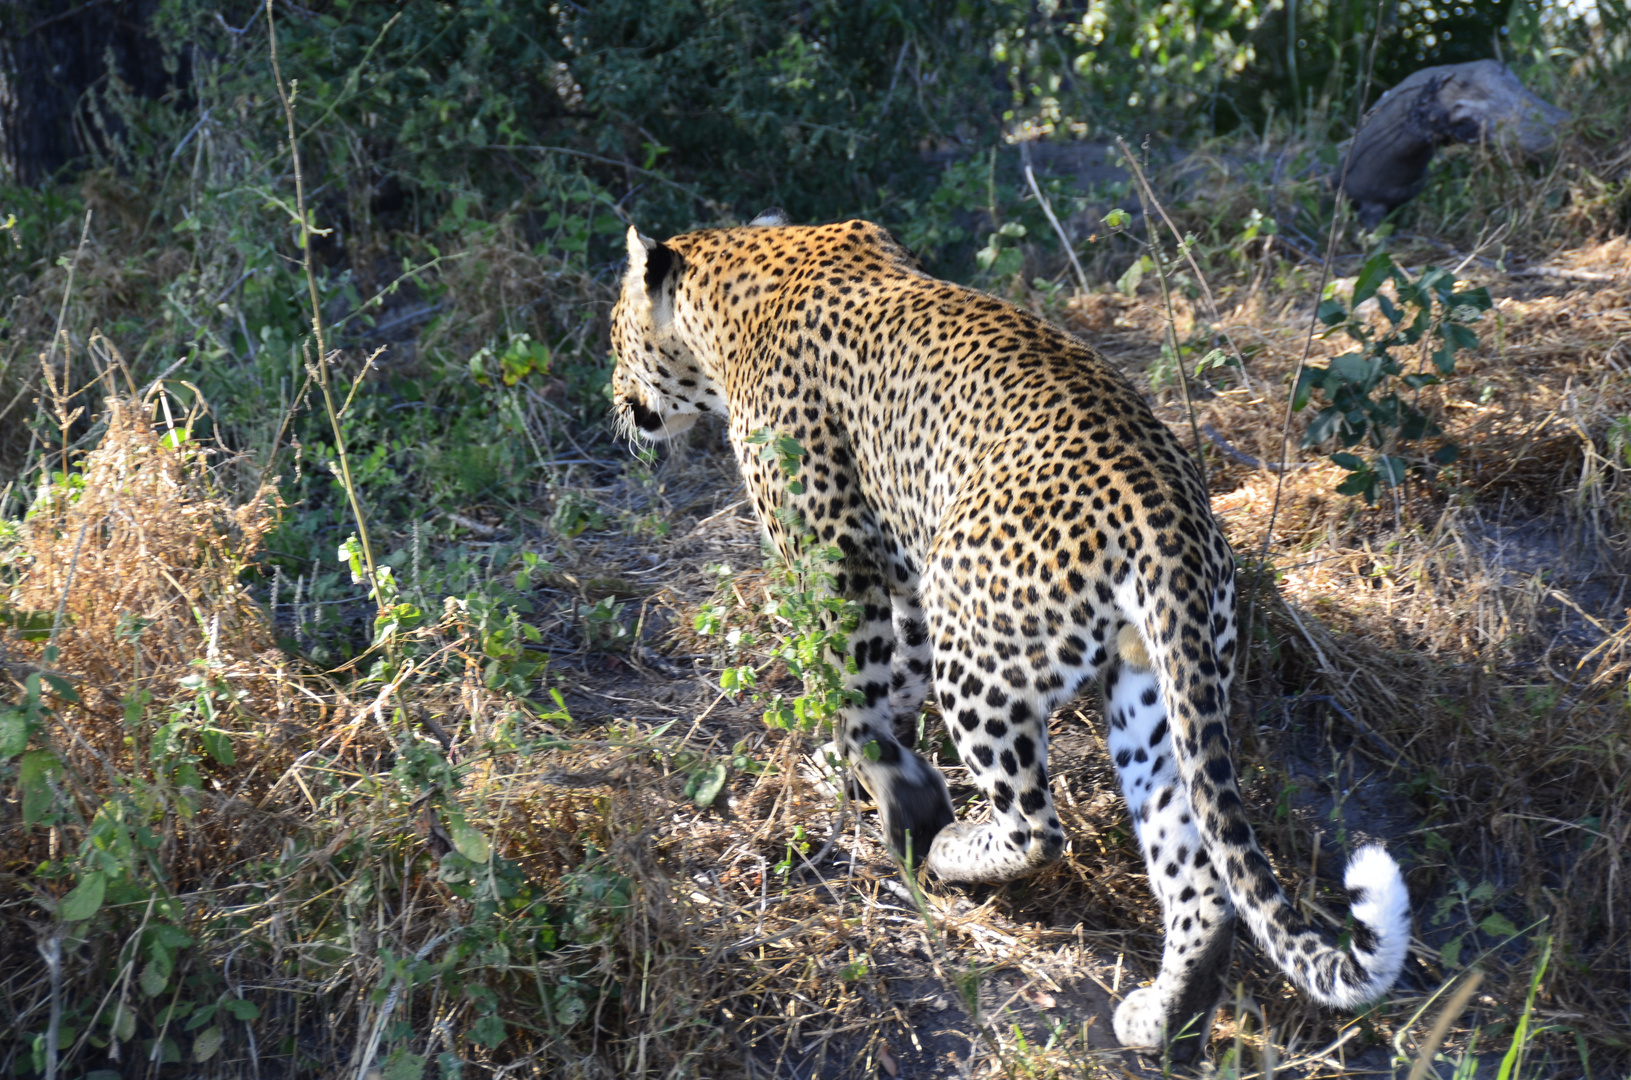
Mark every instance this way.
x=138 y=558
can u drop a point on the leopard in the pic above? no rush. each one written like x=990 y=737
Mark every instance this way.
x=1010 y=522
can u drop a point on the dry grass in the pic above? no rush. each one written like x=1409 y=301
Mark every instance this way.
x=139 y=559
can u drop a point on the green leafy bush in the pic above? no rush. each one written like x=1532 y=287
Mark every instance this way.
x=1369 y=394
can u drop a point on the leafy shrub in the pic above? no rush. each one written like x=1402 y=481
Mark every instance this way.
x=1370 y=396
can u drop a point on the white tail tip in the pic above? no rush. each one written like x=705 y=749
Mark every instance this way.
x=1382 y=903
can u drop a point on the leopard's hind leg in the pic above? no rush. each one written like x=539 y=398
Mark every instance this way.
x=1199 y=919
x=995 y=690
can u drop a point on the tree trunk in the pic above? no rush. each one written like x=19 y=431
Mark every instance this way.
x=55 y=56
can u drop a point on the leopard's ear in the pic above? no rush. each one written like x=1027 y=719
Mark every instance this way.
x=649 y=261
x=774 y=217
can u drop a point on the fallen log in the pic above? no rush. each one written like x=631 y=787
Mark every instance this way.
x=1481 y=101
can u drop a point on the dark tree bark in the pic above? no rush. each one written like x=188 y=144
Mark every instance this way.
x=57 y=54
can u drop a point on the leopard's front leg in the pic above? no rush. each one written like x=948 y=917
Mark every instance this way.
x=913 y=801
x=822 y=508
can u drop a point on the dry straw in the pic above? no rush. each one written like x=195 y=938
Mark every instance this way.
x=140 y=555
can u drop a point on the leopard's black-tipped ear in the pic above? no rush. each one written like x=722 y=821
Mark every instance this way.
x=659 y=261
x=649 y=261
x=775 y=216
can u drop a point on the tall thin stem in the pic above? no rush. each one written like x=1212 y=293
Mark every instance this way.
x=321 y=373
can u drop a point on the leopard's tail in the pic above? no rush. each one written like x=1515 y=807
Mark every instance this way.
x=1344 y=974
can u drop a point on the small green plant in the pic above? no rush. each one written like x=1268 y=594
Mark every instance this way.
x=815 y=623
x=705 y=783
x=574 y=514
x=516 y=361
x=798 y=845
x=1001 y=257
x=603 y=624
x=1475 y=906
x=1368 y=394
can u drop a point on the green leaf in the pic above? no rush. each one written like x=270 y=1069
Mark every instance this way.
x=1128 y=282
x=86 y=898
x=1117 y=219
x=1215 y=359
x=1478 y=299
x=467 y=839
x=171 y=937
x=33 y=776
x=241 y=1009
x=29 y=625
x=1447 y=454
x=14 y=732
x=1306 y=382
x=152 y=980
x=709 y=781
x=1353 y=368
x=1391 y=469
x=218 y=745
x=1450 y=954
x=403 y=1065
x=1351 y=462
x=872 y=750
x=1439 y=280
x=122 y=1025
x=790 y=451
x=1323 y=425
x=1332 y=313
x=1444 y=358
x=60 y=686
x=488 y=1031
x=570 y=1010
x=1497 y=925
x=1460 y=335
x=161 y=959
x=208 y=1043
x=1375 y=271
x=1362 y=482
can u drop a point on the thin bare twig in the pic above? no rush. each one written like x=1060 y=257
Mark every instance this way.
x=1047 y=210
x=68 y=289
x=1146 y=195
x=1185 y=249
x=51 y=952
x=1308 y=345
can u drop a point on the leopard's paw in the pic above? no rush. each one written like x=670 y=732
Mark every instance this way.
x=990 y=852
x=1140 y=1019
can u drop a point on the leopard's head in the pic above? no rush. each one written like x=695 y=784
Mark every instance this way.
x=658 y=387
